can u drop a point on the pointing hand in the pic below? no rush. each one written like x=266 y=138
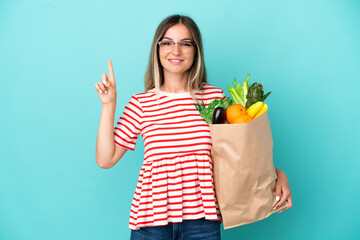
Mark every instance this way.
x=106 y=89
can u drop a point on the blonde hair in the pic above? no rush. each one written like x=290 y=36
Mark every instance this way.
x=154 y=76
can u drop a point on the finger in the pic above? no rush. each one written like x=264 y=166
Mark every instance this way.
x=282 y=200
x=111 y=72
x=105 y=81
x=278 y=194
x=102 y=86
x=104 y=77
x=98 y=88
x=289 y=200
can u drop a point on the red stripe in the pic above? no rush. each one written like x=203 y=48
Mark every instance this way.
x=153 y=99
x=133 y=104
x=174 y=190
x=190 y=154
x=171 y=164
x=120 y=124
x=133 y=112
x=121 y=145
x=127 y=121
x=127 y=115
x=143 y=203
x=127 y=135
x=171 y=190
x=173 y=117
x=124 y=139
x=196 y=206
x=207 y=93
x=181 y=105
x=173 y=203
x=173 y=184
x=181 y=175
x=167 y=190
x=169 y=101
x=178 y=101
x=176 y=196
x=165 y=212
x=178 y=139
x=209 y=99
x=204 y=99
x=172 y=134
x=178 y=146
x=178 y=127
x=183 y=181
x=172 y=216
x=208 y=86
x=177 y=152
x=175 y=101
x=157 y=180
x=145 y=95
x=174 y=209
x=181 y=162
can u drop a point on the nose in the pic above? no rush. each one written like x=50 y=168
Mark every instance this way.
x=176 y=49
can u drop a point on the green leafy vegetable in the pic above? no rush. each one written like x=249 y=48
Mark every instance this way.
x=239 y=92
x=207 y=112
x=255 y=94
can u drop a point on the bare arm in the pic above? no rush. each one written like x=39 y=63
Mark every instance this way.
x=107 y=153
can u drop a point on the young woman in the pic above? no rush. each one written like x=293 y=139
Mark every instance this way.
x=174 y=196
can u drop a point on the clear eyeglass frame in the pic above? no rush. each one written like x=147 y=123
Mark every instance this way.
x=185 y=46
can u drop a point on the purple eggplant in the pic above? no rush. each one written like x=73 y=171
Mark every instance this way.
x=218 y=116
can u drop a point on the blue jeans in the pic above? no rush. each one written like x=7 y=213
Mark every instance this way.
x=186 y=230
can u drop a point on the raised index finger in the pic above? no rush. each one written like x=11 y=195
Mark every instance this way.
x=111 y=71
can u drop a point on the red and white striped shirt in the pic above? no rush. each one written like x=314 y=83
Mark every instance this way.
x=176 y=179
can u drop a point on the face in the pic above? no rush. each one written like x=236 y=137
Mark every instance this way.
x=178 y=32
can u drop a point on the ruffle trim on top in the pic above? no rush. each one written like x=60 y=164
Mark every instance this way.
x=174 y=189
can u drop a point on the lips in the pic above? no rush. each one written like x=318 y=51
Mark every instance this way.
x=176 y=61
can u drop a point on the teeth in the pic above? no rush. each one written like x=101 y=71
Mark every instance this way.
x=175 y=60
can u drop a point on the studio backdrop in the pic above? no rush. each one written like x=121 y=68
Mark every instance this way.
x=306 y=53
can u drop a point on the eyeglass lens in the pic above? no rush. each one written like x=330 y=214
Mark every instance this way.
x=185 y=46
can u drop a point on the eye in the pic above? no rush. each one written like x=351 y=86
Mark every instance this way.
x=186 y=44
x=166 y=43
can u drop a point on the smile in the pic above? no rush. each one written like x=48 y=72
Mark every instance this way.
x=175 y=61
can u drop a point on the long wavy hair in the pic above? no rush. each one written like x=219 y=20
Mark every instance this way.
x=154 y=76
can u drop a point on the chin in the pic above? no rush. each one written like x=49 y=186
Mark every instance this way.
x=177 y=70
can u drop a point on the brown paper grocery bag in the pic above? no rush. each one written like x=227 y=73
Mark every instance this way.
x=244 y=173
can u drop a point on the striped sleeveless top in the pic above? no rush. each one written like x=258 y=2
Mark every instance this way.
x=176 y=179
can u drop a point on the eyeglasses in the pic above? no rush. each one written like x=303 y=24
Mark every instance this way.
x=185 y=46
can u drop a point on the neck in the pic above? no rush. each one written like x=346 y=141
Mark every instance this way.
x=175 y=83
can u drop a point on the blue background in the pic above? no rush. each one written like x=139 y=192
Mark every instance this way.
x=51 y=54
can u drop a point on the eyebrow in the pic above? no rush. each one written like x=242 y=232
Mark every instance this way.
x=181 y=39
